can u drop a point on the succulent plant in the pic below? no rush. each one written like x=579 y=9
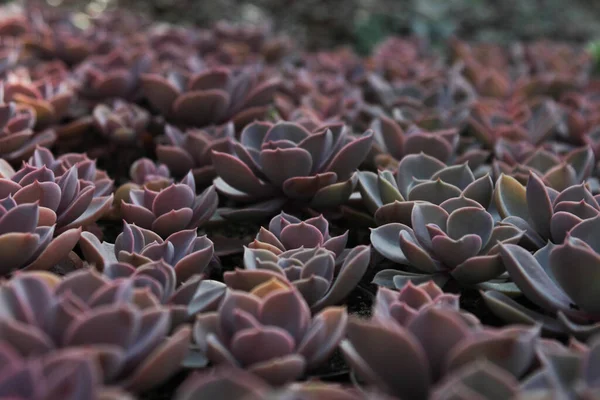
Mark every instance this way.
x=172 y=209
x=455 y=239
x=192 y=150
x=186 y=252
x=221 y=94
x=319 y=167
x=36 y=377
x=70 y=200
x=311 y=270
x=16 y=131
x=42 y=313
x=433 y=344
x=121 y=122
x=27 y=237
x=269 y=332
x=558 y=278
x=391 y=196
x=145 y=171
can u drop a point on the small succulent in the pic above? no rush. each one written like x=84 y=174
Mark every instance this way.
x=192 y=150
x=186 y=252
x=134 y=347
x=311 y=270
x=455 y=239
x=269 y=332
x=121 y=122
x=27 y=238
x=214 y=96
x=319 y=167
x=542 y=212
x=36 y=377
x=17 y=138
x=144 y=171
x=286 y=232
x=391 y=196
x=71 y=200
x=171 y=209
x=559 y=278
x=433 y=344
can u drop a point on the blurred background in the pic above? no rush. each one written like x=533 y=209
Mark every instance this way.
x=363 y=23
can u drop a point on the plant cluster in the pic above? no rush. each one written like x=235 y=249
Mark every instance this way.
x=386 y=196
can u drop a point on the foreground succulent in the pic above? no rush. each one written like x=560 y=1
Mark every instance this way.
x=26 y=242
x=269 y=332
x=42 y=313
x=171 y=209
x=455 y=239
x=274 y=163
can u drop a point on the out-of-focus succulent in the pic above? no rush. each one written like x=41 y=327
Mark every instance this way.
x=455 y=239
x=433 y=344
x=188 y=253
x=17 y=138
x=313 y=232
x=121 y=122
x=559 y=279
x=269 y=332
x=71 y=200
x=49 y=101
x=311 y=270
x=144 y=171
x=79 y=376
x=172 y=209
x=226 y=383
x=276 y=163
x=192 y=150
x=391 y=196
x=210 y=97
x=41 y=313
x=26 y=238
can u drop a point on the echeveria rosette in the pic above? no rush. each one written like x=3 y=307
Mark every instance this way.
x=174 y=208
x=210 y=97
x=432 y=344
x=192 y=150
x=286 y=232
x=17 y=137
x=559 y=278
x=72 y=201
x=80 y=376
x=144 y=171
x=391 y=196
x=312 y=271
x=456 y=239
x=121 y=122
x=273 y=164
x=27 y=244
x=186 y=252
x=42 y=313
x=542 y=212
x=269 y=332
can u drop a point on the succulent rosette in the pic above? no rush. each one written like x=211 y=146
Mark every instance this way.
x=390 y=196
x=558 y=278
x=433 y=344
x=214 y=96
x=186 y=252
x=80 y=376
x=17 y=137
x=144 y=171
x=269 y=332
x=542 y=212
x=121 y=122
x=172 y=209
x=70 y=200
x=311 y=270
x=43 y=313
x=456 y=239
x=192 y=150
x=272 y=164
x=27 y=238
